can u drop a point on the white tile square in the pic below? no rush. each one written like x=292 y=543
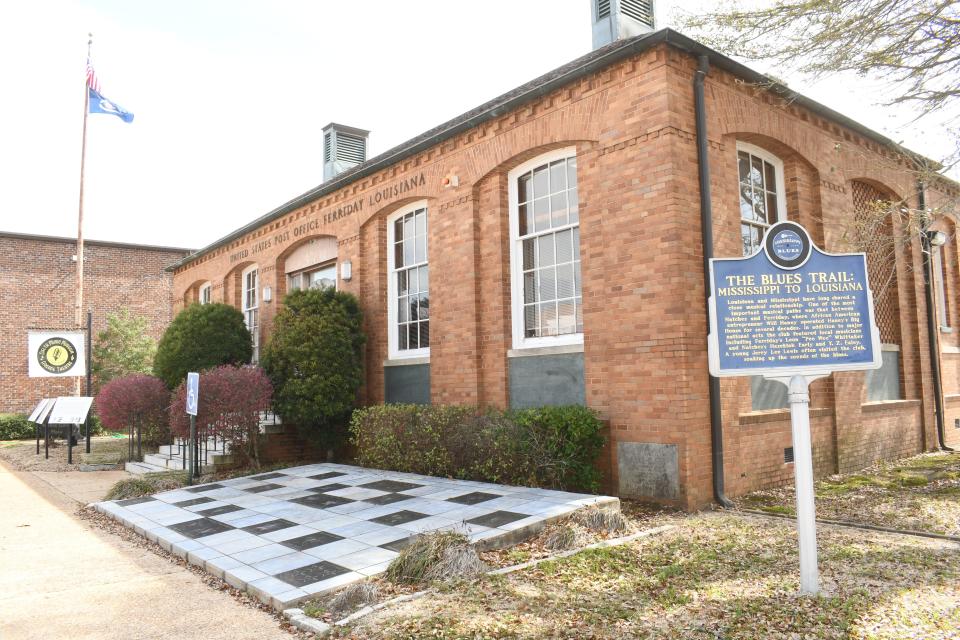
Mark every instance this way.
x=365 y=558
x=261 y=553
x=287 y=562
x=336 y=549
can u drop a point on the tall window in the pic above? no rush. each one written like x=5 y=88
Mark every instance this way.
x=545 y=251
x=761 y=194
x=205 y=292
x=251 y=308
x=939 y=280
x=409 y=283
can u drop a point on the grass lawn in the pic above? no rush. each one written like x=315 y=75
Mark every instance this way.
x=714 y=576
x=921 y=493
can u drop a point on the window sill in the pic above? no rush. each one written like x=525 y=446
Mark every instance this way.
x=946 y=329
x=882 y=405
x=559 y=349
x=947 y=348
x=400 y=362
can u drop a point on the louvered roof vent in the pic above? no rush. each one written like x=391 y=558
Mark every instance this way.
x=620 y=19
x=343 y=147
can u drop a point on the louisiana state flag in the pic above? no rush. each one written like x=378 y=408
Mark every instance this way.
x=99 y=104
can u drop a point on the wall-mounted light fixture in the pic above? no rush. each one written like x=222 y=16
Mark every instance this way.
x=346 y=270
x=267 y=294
x=450 y=181
x=937 y=238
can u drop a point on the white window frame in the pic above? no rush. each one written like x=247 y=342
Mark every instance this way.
x=777 y=163
x=394 y=353
x=205 y=293
x=311 y=269
x=255 y=331
x=940 y=287
x=520 y=341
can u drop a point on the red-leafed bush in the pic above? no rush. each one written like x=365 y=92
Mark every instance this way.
x=138 y=400
x=231 y=400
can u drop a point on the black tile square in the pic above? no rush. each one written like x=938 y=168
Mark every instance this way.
x=269 y=526
x=311 y=573
x=321 y=501
x=204 y=487
x=392 y=486
x=398 y=545
x=400 y=517
x=268 y=476
x=190 y=503
x=388 y=498
x=329 y=474
x=219 y=511
x=311 y=540
x=199 y=528
x=130 y=501
x=497 y=518
x=266 y=487
x=328 y=487
x=474 y=498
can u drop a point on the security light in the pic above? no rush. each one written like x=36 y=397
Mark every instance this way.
x=936 y=238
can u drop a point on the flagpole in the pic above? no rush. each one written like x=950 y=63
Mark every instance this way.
x=78 y=308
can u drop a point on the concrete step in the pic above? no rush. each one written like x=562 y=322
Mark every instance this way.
x=174 y=449
x=141 y=468
x=177 y=463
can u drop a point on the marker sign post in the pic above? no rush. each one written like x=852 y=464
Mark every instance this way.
x=193 y=400
x=793 y=313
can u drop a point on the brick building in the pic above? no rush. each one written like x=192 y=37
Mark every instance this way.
x=38 y=287
x=546 y=247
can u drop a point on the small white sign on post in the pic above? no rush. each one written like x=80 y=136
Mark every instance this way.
x=70 y=410
x=193 y=393
x=56 y=354
x=40 y=410
x=793 y=313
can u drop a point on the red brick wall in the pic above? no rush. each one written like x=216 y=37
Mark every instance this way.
x=38 y=289
x=643 y=299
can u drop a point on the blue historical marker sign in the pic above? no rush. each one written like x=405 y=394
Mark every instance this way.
x=790 y=309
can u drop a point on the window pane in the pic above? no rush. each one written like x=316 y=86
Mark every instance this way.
x=548 y=319
x=402 y=286
x=424 y=278
x=576 y=279
x=424 y=306
x=412 y=280
x=772 y=215
x=526 y=219
x=568 y=318
x=572 y=172
x=398 y=230
x=403 y=310
x=545 y=253
x=751 y=238
x=412 y=306
x=574 y=205
x=759 y=208
x=408 y=251
x=579 y=316
x=770 y=180
x=565 y=284
x=564 y=246
x=401 y=337
x=548 y=283
x=398 y=255
x=408 y=231
x=746 y=203
x=531 y=321
x=530 y=286
x=421 y=223
x=523 y=188
x=421 y=249
x=529 y=254
x=424 y=334
x=558 y=208
x=576 y=243
x=413 y=341
x=744 y=165
x=756 y=172
x=541 y=214
x=540 y=182
x=558 y=176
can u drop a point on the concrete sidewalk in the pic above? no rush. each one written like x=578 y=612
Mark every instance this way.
x=60 y=578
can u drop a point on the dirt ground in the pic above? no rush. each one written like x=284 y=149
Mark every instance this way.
x=22 y=454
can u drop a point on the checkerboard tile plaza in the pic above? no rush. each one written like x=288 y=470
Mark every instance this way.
x=288 y=535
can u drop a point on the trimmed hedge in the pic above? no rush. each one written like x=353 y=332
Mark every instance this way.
x=14 y=426
x=548 y=447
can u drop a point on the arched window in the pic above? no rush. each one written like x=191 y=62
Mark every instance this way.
x=762 y=201
x=250 y=282
x=408 y=286
x=312 y=265
x=204 y=293
x=545 y=251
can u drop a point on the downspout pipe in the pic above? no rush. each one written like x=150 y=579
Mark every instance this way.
x=931 y=320
x=706 y=233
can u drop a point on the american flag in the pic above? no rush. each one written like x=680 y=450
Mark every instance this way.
x=92 y=81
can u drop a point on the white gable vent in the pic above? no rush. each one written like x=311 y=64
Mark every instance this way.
x=620 y=19
x=343 y=148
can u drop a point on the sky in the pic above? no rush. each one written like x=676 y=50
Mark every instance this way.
x=230 y=97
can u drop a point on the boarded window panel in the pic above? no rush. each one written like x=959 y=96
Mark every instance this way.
x=874 y=236
x=884 y=383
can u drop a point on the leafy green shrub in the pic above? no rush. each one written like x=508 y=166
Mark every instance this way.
x=14 y=426
x=124 y=348
x=202 y=336
x=552 y=447
x=314 y=360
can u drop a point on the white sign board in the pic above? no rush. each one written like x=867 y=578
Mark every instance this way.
x=39 y=410
x=56 y=354
x=71 y=410
x=193 y=392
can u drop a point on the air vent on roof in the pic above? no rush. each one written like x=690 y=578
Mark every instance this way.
x=343 y=148
x=620 y=19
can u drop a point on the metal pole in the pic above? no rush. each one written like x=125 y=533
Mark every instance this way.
x=193 y=447
x=89 y=372
x=46 y=438
x=36 y=429
x=803 y=476
x=78 y=308
x=69 y=444
x=139 y=424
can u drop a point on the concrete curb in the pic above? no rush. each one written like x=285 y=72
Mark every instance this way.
x=305 y=623
x=855 y=525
